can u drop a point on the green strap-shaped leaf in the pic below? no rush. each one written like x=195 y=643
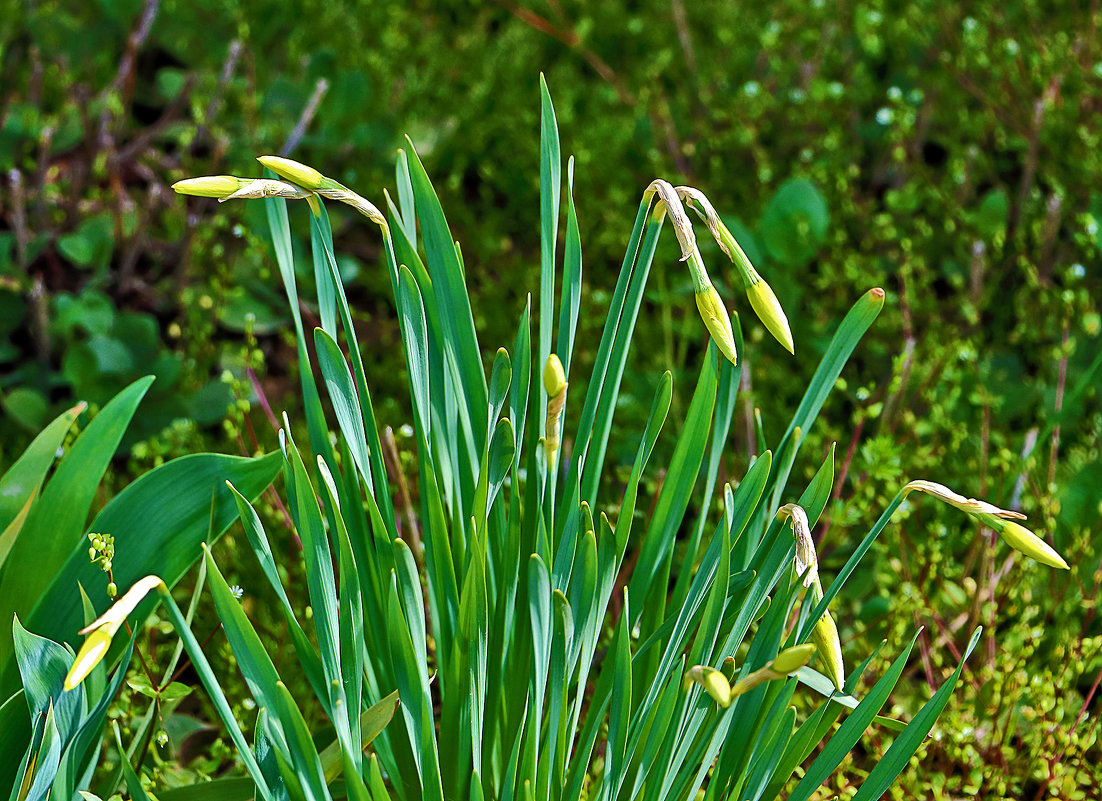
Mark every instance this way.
x=880 y=778
x=25 y=476
x=55 y=523
x=158 y=523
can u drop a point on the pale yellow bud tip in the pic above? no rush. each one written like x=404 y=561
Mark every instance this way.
x=717 y=321
x=1022 y=539
x=292 y=170
x=792 y=659
x=554 y=377
x=713 y=682
x=829 y=646
x=769 y=311
x=208 y=186
x=90 y=655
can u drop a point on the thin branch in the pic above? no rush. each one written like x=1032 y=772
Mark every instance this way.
x=320 y=88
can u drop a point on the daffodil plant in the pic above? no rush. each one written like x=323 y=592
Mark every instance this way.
x=494 y=643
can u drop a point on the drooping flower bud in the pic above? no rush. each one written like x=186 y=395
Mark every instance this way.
x=1022 y=539
x=713 y=682
x=101 y=630
x=827 y=641
x=792 y=659
x=769 y=311
x=717 y=321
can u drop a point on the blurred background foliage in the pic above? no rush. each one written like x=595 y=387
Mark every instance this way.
x=948 y=153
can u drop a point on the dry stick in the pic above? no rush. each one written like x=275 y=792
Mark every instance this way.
x=228 y=68
x=1030 y=170
x=1048 y=236
x=683 y=36
x=573 y=41
x=137 y=244
x=1060 y=381
x=394 y=464
x=170 y=115
x=19 y=216
x=745 y=391
x=320 y=88
x=38 y=212
x=909 y=343
x=126 y=67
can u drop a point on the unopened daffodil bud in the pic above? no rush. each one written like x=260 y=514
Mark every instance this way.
x=208 y=186
x=1001 y=521
x=713 y=682
x=101 y=630
x=1022 y=539
x=792 y=659
x=717 y=321
x=554 y=382
x=769 y=311
x=313 y=180
x=292 y=170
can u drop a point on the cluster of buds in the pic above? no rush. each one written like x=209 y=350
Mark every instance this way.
x=1001 y=521
x=102 y=550
x=761 y=296
x=708 y=302
x=299 y=182
x=717 y=683
x=825 y=632
x=554 y=382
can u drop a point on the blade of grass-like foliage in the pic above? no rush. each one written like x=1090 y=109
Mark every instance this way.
x=373 y=721
x=539 y=610
x=248 y=650
x=258 y=539
x=408 y=216
x=303 y=755
x=411 y=313
x=673 y=499
x=280 y=230
x=342 y=394
x=24 y=478
x=321 y=233
x=592 y=444
x=158 y=523
x=729 y=376
x=318 y=558
x=451 y=295
x=572 y=277
x=880 y=778
x=55 y=524
x=852 y=728
x=550 y=187
x=232 y=788
x=133 y=784
x=7 y=538
x=849 y=333
x=619 y=713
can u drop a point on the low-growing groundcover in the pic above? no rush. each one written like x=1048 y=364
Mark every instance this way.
x=516 y=636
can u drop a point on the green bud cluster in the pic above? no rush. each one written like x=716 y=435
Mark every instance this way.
x=102 y=550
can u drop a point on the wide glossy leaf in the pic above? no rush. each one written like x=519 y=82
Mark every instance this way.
x=55 y=524
x=25 y=476
x=158 y=523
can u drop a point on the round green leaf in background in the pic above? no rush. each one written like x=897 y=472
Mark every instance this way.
x=794 y=224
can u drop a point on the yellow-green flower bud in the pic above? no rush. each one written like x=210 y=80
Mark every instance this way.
x=554 y=381
x=713 y=682
x=829 y=646
x=106 y=565
x=769 y=311
x=292 y=170
x=1022 y=539
x=112 y=590
x=92 y=554
x=554 y=377
x=91 y=652
x=717 y=321
x=208 y=186
x=792 y=659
